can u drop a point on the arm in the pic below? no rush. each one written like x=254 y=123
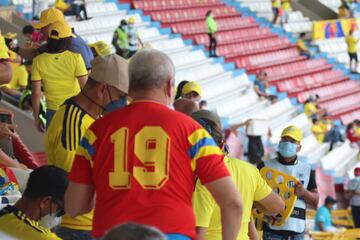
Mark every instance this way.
x=321 y=226
x=252 y=232
x=79 y=199
x=258 y=92
x=228 y=198
x=311 y=197
x=200 y=233
x=82 y=80
x=271 y=205
x=5 y=72
x=7 y=161
x=35 y=98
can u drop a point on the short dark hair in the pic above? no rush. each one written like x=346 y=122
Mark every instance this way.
x=315 y=120
x=47 y=181
x=302 y=34
x=28 y=29
x=133 y=231
x=180 y=88
x=58 y=45
x=208 y=13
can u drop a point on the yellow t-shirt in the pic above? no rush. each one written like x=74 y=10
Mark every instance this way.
x=67 y=127
x=301 y=45
x=3 y=48
x=351 y=42
x=58 y=73
x=251 y=186
x=319 y=132
x=275 y=3
x=15 y=225
x=310 y=109
x=19 y=78
x=343 y=12
x=286 y=5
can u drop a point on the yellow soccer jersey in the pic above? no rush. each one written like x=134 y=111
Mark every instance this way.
x=351 y=42
x=319 y=132
x=251 y=186
x=19 y=78
x=15 y=225
x=309 y=109
x=301 y=45
x=67 y=127
x=286 y=5
x=3 y=48
x=58 y=72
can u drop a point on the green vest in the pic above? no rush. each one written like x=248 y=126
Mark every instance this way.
x=122 y=38
x=211 y=25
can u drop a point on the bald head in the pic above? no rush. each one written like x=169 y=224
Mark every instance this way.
x=186 y=106
x=150 y=69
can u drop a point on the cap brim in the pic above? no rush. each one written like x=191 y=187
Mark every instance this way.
x=39 y=25
x=290 y=136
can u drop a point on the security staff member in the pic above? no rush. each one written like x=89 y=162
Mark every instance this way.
x=305 y=189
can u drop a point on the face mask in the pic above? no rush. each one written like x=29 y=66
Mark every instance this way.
x=112 y=106
x=334 y=207
x=287 y=149
x=50 y=221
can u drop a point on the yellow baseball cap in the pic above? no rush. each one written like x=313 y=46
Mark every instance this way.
x=191 y=87
x=131 y=20
x=60 y=29
x=292 y=132
x=101 y=48
x=10 y=35
x=49 y=16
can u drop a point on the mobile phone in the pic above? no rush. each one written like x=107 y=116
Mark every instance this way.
x=5 y=118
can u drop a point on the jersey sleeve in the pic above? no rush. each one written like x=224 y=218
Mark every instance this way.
x=321 y=216
x=23 y=77
x=203 y=204
x=80 y=66
x=262 y=188
x=81 y=171
x=35 y=74
x=207 y=159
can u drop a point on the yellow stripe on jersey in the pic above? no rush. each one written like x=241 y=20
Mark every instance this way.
x=86 y=148
x=203 y=145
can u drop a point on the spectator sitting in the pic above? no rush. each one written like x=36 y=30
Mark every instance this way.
x=354 y=194
x=5 y=66
x=303 y=49
x=186 y=106
x=105 y=91
x=351 y=134
x=61 y=71
x=323 y=216
x=203 y=105
x=48 y=17
x=310 y=108
x=39 y=209
x=100 y=48
x=248 y=180
x=191 y=91
x=318 y=130
x=133 y=231
x=120 y=39
x=261 y=86
x=180 y=88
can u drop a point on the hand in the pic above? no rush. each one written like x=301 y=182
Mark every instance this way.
x=22 y=166
x=6 y=111
x=299 y=190
x=39 y=125
x=6 y=130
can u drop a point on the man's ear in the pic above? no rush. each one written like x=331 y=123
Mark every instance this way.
x=45 y=201
x=298 y=149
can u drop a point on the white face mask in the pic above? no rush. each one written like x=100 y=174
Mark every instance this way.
x=50 y=221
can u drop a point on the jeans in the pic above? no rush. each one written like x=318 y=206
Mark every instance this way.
x=70 y=234
x=213 y=44
x=49 y=116
x=355 y=210
x=274 y=236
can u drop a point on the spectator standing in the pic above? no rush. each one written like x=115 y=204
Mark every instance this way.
x=286 y=9
x=39 y=209
x=133 y=37
x=163 y=152
x=191 y=91
x=133 y=231
x=78 y=7
x=180 y=88
x=49 y=16
x=344 y=10
x=310 y=108
x=305 y=189
x=354 y=194
x=211 y=27
x=303 y=49
x=105 y=90
x=120 y=39
x=60 y=70
x=275 y=5
x=323 y=221
x=352 y=42
x=5 y=66
x=248 y=180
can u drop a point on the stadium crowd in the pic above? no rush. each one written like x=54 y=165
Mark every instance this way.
x=120 y=149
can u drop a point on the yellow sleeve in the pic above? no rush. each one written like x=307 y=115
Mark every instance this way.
x=3 y=48
x=203 y=204
x=35 y=74
x=23 y=76
x=80 y=66
x=262 y=188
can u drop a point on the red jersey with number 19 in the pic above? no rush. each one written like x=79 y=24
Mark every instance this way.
x=142 y=161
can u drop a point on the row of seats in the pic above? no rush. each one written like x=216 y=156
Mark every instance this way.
x=156 y=5
x=342 y=105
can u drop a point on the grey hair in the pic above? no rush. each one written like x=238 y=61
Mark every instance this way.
x=149 y=69
x=133 y=231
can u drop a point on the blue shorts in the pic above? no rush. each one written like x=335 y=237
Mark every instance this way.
x=177 y=237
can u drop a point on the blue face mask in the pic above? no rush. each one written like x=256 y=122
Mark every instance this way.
x=112 y=106
x=287 y=149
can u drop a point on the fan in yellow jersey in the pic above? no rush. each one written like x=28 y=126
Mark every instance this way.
x=5 y=66
x=39 y=209
x=286 y=9
x=18 y=82
x=105 y=90
x=248 y=181
x=275 y=5
x=60 y=70
x=352 y=42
